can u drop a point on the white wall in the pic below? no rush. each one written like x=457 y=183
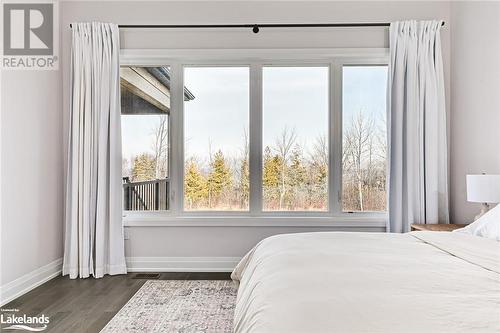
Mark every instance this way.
x=31 y=172
x=475 y=99
x=235 y=241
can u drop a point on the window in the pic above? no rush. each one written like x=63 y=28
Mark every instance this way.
x=216 y=166
x=364 y=138
x=145 y=109
x=237 y=137
x=295 y=140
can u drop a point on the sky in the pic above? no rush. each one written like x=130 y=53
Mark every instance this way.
x=293 y=97
x=364 y=90
x=219 y=114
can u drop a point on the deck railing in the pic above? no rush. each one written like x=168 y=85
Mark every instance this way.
x=146 y=195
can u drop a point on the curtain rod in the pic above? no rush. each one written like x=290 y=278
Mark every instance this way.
x=255 y=27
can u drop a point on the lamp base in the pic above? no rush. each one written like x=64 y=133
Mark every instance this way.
x=484 y=209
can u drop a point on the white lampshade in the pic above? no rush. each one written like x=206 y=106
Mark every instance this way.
x=483 y=188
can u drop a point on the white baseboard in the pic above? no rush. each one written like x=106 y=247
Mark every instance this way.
x=181 y=264
x=28 y=282
x=33 y=279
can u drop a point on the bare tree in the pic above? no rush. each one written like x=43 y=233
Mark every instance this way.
x=358 y=153
x=245 y=151
x=320 y=150
x=126 y=168
x=381 y=137
x=160 y=147
x=243 y=170
x=210 y=160
x=318 y=170
x=284 y=145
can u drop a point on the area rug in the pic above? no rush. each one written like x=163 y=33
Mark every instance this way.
x=177 y=306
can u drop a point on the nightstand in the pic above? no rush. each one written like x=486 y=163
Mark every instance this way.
x=436 y=227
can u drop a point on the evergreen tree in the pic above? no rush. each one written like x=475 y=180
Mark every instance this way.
x=271 y=178
x=195 y=185
x=271 y=170
x=244 y=182
x=297 y=171
x=220 y=177
x=144 y=167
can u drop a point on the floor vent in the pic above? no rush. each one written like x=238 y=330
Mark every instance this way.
x=147 y=276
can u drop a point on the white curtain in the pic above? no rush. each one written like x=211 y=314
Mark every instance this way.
x=418 y=172
x=94 y=242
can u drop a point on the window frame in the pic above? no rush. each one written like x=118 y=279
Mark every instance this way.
x=329 y=205
x=255 y=59
x=360 y=62
x=182 y=209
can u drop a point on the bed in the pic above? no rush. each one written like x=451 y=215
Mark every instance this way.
x=369 y=282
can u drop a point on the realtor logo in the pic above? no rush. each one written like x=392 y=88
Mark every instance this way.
x=28 y=29
x=11 y=319
x=29 y=36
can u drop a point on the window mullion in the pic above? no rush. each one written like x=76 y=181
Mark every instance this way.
x=255 y=139
x=177 y=138
x=335 y=165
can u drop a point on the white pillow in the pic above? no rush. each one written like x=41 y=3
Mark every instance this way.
x=487 y=225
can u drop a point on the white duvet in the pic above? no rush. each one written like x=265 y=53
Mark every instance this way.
x=369 y=282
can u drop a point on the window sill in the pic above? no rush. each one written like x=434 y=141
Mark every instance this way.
x=349 y=221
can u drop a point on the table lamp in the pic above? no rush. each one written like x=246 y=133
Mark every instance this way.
x=484 y=189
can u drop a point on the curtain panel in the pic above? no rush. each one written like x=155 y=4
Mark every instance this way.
x=94 y=243
x=418 y=170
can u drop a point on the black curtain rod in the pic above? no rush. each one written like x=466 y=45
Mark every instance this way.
x=255 y=27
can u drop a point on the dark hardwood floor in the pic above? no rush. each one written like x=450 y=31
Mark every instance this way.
x=86 y=305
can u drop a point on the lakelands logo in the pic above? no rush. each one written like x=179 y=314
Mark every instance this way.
x=30 y=39
x=23 y=322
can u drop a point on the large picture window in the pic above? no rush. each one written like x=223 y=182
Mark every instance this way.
x=261 y=138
